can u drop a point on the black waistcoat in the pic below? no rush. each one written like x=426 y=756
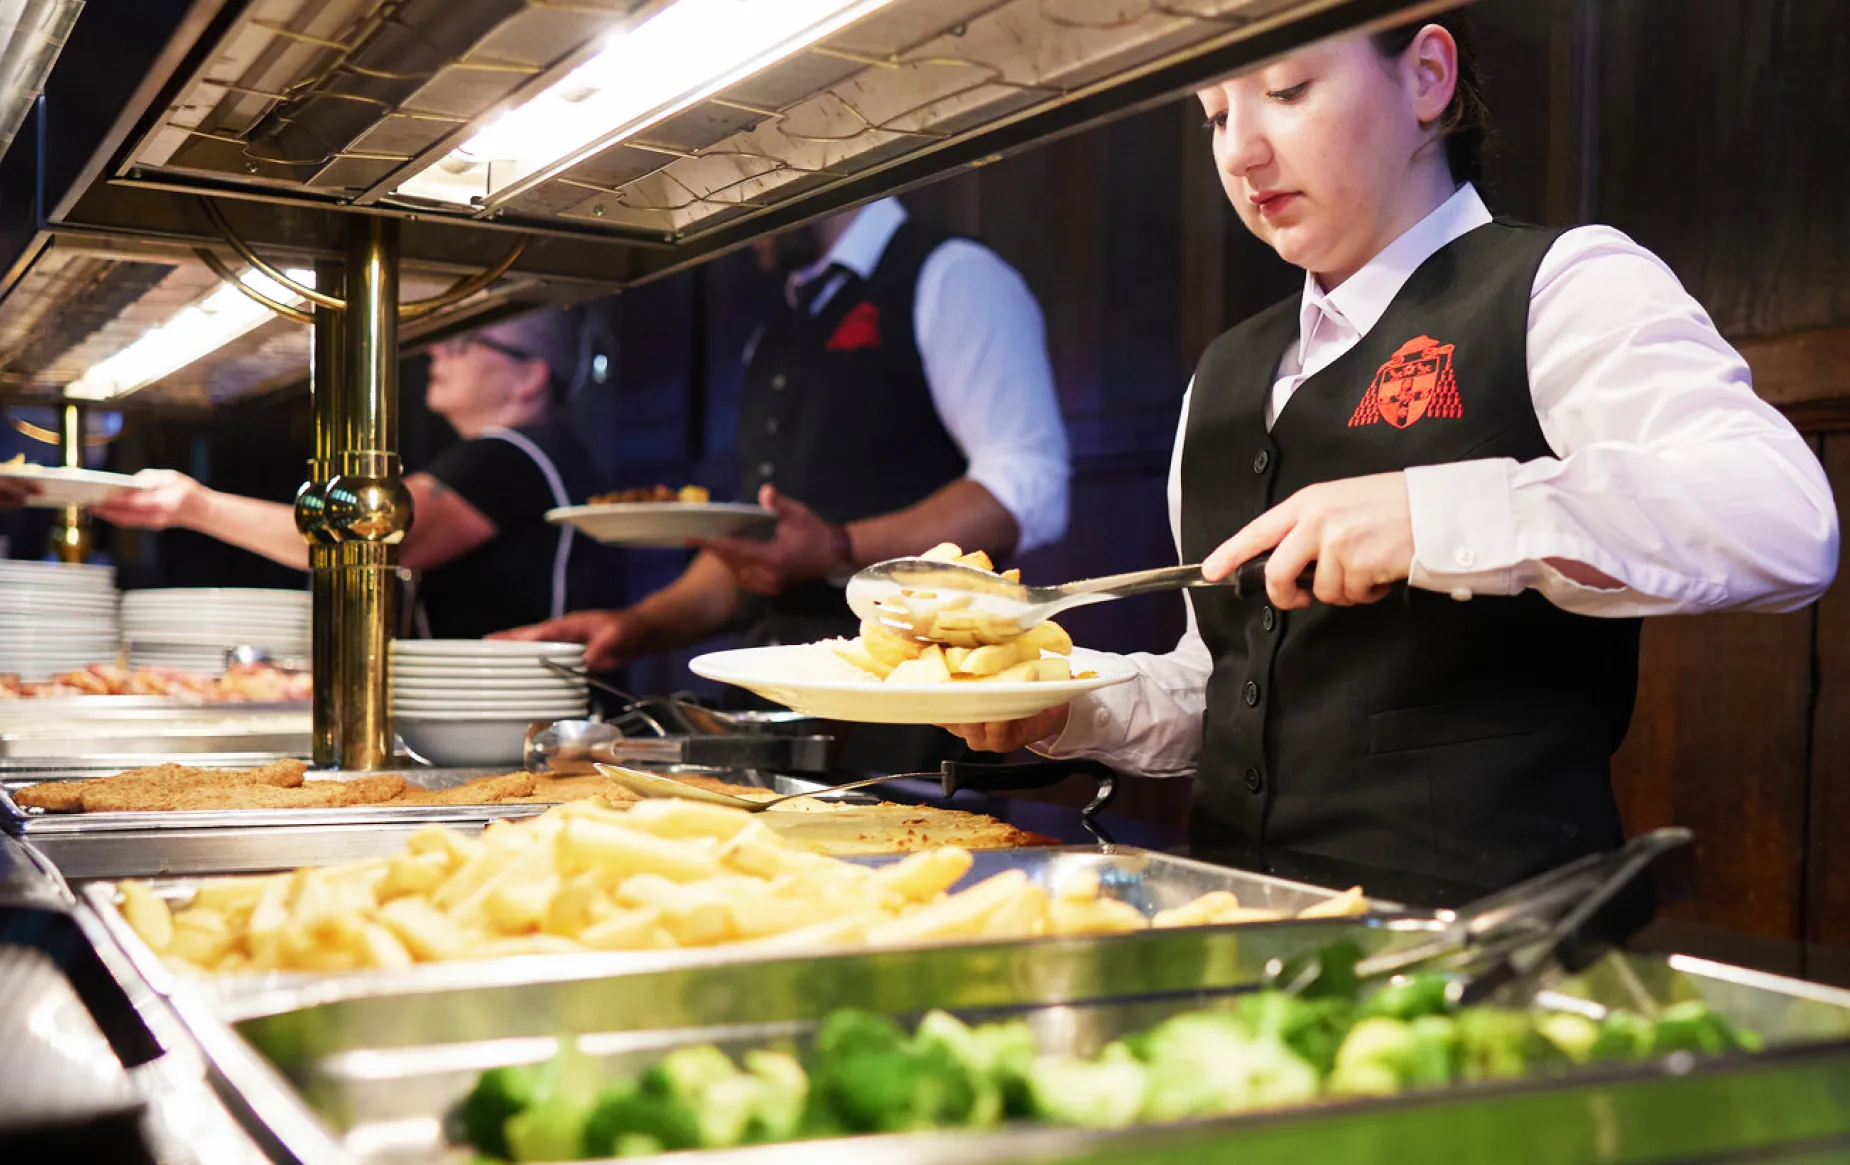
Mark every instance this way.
x=836 y=413
x=1465 y=740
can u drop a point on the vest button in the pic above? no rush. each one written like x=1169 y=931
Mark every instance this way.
x=1261 y=459
x=766 y=469
x=1268 y=618
x=778 y=381
x=1254 y=782
x=1251 y=693
x=770 y=426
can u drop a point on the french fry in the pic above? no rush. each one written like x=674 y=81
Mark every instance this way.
x=928 y=668
x=674 y=818
x=1200 y=912
x=994 y=658
x=148 y=914
x=516 y=905
x=1350 y=901
x=1047 y=636
x=944 y=552
x=1099 y=916
x=923 y=876
x=958 y=916
x=629 y=930
x=383 y=948
x=616 y=853
x=428 y=933
x=200 y=936
x=1079 y=886
x=854 y=653
x=887 y=645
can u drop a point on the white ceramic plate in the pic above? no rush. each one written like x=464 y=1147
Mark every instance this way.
x=23 y=643
x=58 y=576
x=480 y=650
x=230 y=596
x=53 y=621
x=809 y=678
x=411 y=685
x=663 y=523
x=63 y=486
x=289 y=639
x=563 y=710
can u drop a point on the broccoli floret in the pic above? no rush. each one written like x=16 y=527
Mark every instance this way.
x=1211 y=1066
x=498 y=1094
x=624 y=1112
x=898 y=1090
x=1434 y=1058
x=1106 y=1093
x=1623 y=1036
x=1312 y=1028
x=1009 y=1048
x=1692 y=1027
x=1574 y=1035
x=637 y=1145
x=1375 y=1059
x=994 y=1057
x=783 y=1088
x=686 y=1073
x=1407 y=998
x=848 y=1033
x=1497 y=1044
x=552 y=1129
x=726 y=1110
x=1334 y=977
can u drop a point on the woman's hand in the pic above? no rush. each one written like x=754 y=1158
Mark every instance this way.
x=167 y=498
x=1358 y=531
x=1009 y=735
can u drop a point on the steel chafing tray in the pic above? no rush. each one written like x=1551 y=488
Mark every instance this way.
x=367 y=1077
x=1150 y=881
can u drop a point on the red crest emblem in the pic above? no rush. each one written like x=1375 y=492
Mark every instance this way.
x=1417 y=382
x=860 y=328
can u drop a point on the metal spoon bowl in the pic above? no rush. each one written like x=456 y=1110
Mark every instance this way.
x=653 y=786
x=949 y=602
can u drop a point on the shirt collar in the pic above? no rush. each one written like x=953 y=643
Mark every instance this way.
x=861 y=245
x=1364 y=297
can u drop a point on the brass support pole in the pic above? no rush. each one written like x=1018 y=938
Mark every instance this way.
x=365 y=507
x=326 y=373
x=70 y=534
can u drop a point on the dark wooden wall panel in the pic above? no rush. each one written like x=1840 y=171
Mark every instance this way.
x=1722 y=131
x=1827 y=921
x=1718 y=744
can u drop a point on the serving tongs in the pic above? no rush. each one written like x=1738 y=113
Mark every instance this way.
x=907 y=594
x=1558 y=922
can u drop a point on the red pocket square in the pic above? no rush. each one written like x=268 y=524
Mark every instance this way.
x=860 y=328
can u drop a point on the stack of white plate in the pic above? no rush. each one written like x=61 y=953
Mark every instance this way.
x=192 y=627
x=463 y=702
x=56 y=618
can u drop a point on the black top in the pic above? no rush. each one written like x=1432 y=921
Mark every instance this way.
x=1467 y=740
x=836 y=412
x=531 y=570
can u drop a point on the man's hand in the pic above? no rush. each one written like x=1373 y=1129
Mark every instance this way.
x=802 y=549
x=1358 y=531
x=605 y=635
x=1009 y=735
x=169 y=498
x=16 y=492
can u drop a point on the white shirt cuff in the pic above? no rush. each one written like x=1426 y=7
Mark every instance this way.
x=1464 y=531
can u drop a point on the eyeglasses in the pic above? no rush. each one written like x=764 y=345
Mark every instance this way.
x=457 y=345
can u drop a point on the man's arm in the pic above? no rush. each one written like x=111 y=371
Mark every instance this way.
x=963 y=512
x=445 y=526
x=698 y=604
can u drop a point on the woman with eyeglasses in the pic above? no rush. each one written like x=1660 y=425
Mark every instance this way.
x=489 y=559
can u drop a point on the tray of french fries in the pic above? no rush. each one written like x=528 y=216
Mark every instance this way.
x=661 y=879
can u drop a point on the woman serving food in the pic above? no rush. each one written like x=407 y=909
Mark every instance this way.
x=1497 y=445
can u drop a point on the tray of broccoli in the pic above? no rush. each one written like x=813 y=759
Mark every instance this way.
x=861 y=1073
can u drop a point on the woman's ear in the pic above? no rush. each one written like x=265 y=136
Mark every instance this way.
x=1432 y=64
x=535 y=382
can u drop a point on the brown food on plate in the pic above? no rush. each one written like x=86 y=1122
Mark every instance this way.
x=241 y=684
x=159 y=786
x=171 y=787
x=693 y=494
x=371 y=790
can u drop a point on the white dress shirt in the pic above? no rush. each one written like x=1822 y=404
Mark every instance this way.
x=984 y=348
x=1669 y=474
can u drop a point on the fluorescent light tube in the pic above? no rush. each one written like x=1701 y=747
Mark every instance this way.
x=195 y=331
x=685 y=53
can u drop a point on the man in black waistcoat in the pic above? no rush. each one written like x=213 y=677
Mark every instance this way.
x=897 y=396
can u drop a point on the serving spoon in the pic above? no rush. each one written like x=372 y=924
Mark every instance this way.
x=916 y=595
x=653 y=786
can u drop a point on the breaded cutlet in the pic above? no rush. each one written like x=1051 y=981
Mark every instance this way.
x=146 y=798
x=480 y=791
x=146 y=787
x=557 y=790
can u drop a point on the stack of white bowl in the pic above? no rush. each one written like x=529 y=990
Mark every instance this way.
x=466 y=702
x=191 y=628
x=56 y=618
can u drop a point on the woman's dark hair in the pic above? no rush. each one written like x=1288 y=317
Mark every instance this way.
x=1465 y=125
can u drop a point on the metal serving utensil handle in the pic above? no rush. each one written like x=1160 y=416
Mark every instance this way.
x=1247 y=581
x=983 y=778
